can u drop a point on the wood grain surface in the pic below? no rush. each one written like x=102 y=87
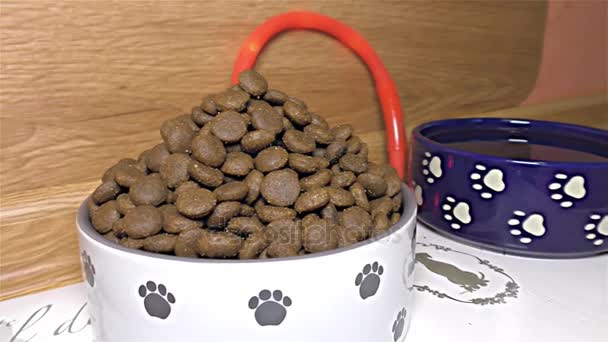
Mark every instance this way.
x=86 y=83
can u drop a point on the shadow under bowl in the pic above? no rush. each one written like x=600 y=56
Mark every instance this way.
x=530 y=188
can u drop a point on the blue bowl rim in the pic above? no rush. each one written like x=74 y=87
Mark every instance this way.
x=563 y=127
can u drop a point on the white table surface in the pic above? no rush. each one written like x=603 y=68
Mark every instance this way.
x=521 y=300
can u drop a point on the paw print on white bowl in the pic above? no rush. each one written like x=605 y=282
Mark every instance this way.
x=457 y=213
x=431 y=168
x=527 y=227
x=567 y=189
x=597 y=229
x=487 y=182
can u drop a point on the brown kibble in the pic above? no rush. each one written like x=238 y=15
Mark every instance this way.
x=257 y=140
x=171 y=197
x=319 y=152
x=104 y=217
x=393 y=181
x=247 y=210
x=177 y=133
x=208 y=176
x=233 y=148
x=161 y=243
x=254 y=182
x=245 y=225
x=287 y=125
x=270 y=159
x=186 y=243
x=269 y=213
x=380 y=224
x=347 y=237
x=132 y=243
x=356 y=221
x=322 y=162
x=105 y=192
x=375 y=169
x=253 y=83
x=200 y=117
x=196 y=203
x=208 y=150
x=124 y=204
x=296 y=113
x=318 y=180
x=149 y=190
x=268 y=119
x=254 y=105
x=119 y=228
x=302 y=163
x=358 y=193
x=335 y=169
x=354 y=163
x=237 y=164
x=228 y=127
x=374 y=185
x=335 y=151
x=109 y=175
x=318 y=120
x=233 y=191
x=298 y=142
x=284 y=232
x=364 y=152
x=111 y=237
x=253 y=246
x=175 y=170
x=281 y=112
x=312 y=200
x=342 y=132
x=231 y=100
x=208 y=105
x=219 y=244
x=275 y=97
x=127 y=175
x=340 y=197
x=186 y=186
x=395 y=217
x=330 y=213
x=353 y=145
x=246 y=119
x=142 y=222
x=343 y=179
x=319 y=236
x=382 y=205
x=174 y=222
x=222 y=214
x=91 y=206
x=281 y=251
x=397 y=202
x=281 y=187
x=156 y=157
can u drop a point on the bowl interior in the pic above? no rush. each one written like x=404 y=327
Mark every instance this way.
x=520 y=139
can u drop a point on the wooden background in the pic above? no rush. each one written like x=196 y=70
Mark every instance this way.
x=86 y=83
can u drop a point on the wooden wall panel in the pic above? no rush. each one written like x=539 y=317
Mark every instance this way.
x=84 y=83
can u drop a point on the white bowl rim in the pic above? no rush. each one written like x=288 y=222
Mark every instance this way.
x=84 y=227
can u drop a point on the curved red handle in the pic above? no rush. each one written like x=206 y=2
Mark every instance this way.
x=385 y=87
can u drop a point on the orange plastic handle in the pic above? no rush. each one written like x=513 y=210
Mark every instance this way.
x=385 y=87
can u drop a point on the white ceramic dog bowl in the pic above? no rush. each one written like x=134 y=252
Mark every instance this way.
x=362 y=293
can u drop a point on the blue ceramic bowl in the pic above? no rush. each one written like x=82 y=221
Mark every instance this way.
x=532 y=188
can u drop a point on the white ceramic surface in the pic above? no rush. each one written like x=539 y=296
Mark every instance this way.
x=358 y=294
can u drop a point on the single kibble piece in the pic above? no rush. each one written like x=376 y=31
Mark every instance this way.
x=358 y=193
x=233 y=191
x=375 y=169
x=247 y=210
x=353 y=145
x=104 y=217
x=208 y=150
x=245 y=225
x=342 y=132
x=270 y=159
x=222 y=214
x=354 y=163
x=253 y=246
x=321 y=134
x=281 y=188
x=253 y=83
x=318 y=120
x=174 y=222
x=381 y=205
x=237 y=164
x=393 y=182
x=91 y=206
x=343 y=179
x=142 y=222
x=132 y=243
x=356 y=221
x=124 y=204
x=219 y=244
x=208 y=105
x=318 y=180
x=268 y=119
x=161 y=243
x=205 y=175
x=374 y=185
x=298 y=142
x=340 y=197
x=105 y=192
x=200 y=117
x=257 y=140
x=397 y=202
x=127 y=175
x=296 y=113
x=156 y=157
x=177 y=133
x=395 y=217
x=284 y=232
x=330 y=213
x=380 y=224
x=319 y=236
x=231 y=100
x=275 y=97
x=335 y=151
x=270 y=213
x=302 y=163
x=312 y=200
x=175 y=170
x=148 y=190
x=228 y=127
x=346 y=237
x=196 y=203
x=186 y=243
x=254 y=182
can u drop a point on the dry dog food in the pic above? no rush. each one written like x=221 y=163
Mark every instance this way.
x=250 y=173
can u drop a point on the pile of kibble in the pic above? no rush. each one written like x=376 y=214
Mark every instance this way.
x=250 y=173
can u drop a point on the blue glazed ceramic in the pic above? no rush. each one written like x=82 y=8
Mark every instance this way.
x=532 y=188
